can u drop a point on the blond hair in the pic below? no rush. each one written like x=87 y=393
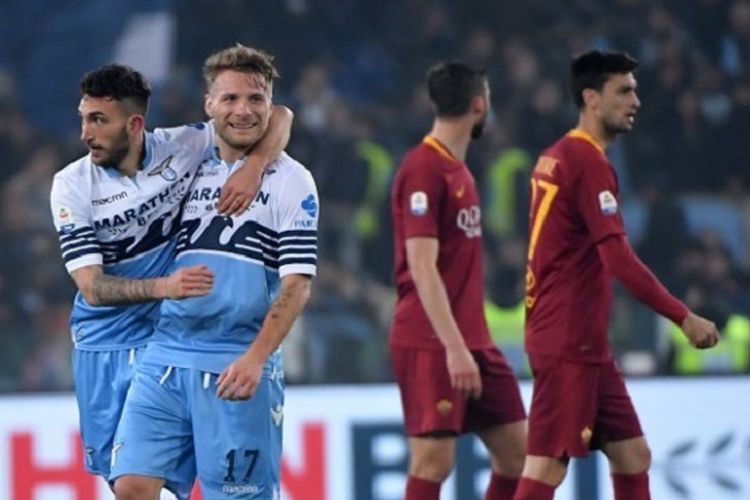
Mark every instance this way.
x=240 y=58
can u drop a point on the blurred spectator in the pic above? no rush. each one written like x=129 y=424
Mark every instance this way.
x=665 y=237
x=505 y=306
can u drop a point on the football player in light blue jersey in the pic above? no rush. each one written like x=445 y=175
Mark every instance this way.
x=209 y=391
x=116 y=211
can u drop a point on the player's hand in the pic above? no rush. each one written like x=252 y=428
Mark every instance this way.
x=239 y=190
x=240 y=379
x=464 y=372
x=193 y=281
x=701 y=332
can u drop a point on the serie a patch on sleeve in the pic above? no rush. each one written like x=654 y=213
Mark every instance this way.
x=65 y=220
x=418 y=203
x=607 y=203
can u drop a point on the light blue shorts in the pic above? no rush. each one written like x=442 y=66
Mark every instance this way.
x=101 y=379
x=174 y=427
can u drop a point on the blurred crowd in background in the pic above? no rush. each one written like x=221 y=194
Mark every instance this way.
x=353 y=74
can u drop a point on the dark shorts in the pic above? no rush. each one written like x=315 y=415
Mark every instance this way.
x=578 y=407
x=431 y=405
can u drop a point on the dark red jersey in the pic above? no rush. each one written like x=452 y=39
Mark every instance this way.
x=434 y=195
x=568 y=290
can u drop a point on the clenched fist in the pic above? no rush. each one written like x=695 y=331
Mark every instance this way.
x=701 y=332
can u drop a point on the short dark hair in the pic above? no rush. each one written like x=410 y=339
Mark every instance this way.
x=592 y=69
x=119 y=82
x=451 y=86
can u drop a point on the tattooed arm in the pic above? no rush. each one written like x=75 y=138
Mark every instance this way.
x=240 y=379
x=100 y=289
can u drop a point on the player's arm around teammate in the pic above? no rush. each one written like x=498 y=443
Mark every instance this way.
x=100 y=121
x=242 y=186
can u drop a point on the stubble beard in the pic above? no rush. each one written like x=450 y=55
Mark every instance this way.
x=477 y=130
x=118 y=151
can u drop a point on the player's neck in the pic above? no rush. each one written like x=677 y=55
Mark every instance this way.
x=227 y=153
x=454 y=135
x=593 y=127
x=130 y=165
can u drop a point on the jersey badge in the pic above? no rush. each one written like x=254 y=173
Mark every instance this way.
x=310 y=205
x=607 y=203
x=444 y=407
x=167 y=172
x=418 y=203
x=65 y=220
x=460 y=192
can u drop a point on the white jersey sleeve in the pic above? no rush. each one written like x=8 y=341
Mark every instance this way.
x=71 y=213
x=195 y=140
x=297 y=215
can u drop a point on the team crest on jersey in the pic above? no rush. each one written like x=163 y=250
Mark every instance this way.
x=310 y=205
x=444 y=407
x=167 y=172
x=418 y=203
x=607 y=203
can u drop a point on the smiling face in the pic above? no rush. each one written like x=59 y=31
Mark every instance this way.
x=105 y=126
x=240 y=105
x=616 y=104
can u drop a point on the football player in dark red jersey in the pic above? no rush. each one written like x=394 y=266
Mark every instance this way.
x=577 y=244
x=451 y=377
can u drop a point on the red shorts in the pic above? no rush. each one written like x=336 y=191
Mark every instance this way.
x=578 y=407
x=431 y=405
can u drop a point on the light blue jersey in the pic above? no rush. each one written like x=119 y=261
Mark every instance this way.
x=127 y=225
x=248 y=254
x=174 y=426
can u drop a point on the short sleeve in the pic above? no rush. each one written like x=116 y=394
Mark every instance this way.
x=298 y=209
x=195 y=139
x=72 y=218
x=597 y=199
x=422 y=192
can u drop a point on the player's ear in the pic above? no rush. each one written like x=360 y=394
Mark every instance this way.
x=208 y=105
x=478 y=104
x=136 y=123
x=590 y=97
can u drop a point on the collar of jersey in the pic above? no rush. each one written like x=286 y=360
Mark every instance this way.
x=583 y=135
x=216 y=161
x=439 y=147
